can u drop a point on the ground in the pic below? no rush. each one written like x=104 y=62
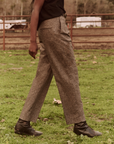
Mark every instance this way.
x=96 y=80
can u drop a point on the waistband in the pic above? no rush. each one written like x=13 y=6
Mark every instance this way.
x=52 y=22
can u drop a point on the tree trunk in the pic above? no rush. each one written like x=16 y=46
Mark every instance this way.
x=5 y=8
x=76 y=6
x=13 y=13
x=21 y=9
x=85 y=4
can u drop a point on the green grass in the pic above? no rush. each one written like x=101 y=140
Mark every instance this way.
x=96 y=76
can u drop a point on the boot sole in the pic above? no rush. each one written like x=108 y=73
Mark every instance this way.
x=20 y=133
x=79 y=133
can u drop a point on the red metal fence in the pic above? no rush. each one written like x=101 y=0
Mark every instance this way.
x=71 y=22
x=3 y=31
x=103 y=27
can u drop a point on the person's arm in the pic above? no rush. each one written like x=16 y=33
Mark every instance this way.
x=33 y=26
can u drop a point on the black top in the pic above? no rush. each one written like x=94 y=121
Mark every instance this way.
x=51 y=9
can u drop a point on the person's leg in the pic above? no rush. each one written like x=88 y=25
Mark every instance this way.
x=36 y=96
x=39 y=89
x=61 y=56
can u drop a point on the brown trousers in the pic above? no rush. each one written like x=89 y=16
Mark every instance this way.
x=56 y=58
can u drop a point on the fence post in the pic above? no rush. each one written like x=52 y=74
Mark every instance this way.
x=71 y=25
x=3 y=32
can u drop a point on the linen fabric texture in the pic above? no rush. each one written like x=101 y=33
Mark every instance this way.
x=56 y=59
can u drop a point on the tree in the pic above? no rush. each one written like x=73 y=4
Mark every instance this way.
x=13 y=9
x=76 y=6
x=95 y=6
x=1 y=8
x=22 y=7
x=85 y=6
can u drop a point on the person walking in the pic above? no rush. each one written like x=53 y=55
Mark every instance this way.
x=56 y=59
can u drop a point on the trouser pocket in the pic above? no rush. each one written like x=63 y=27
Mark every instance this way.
x=64 y=30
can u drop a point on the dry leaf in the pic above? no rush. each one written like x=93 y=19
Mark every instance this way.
x=94 y=62
x=57 y=101
x=95 y=57
x=69 y=142
x=3 y=120
x=10 y=55
x=110 y=141
x=33 y=62
x=45 y=119
x=2 y=128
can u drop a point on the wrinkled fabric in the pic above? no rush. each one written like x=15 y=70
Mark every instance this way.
x=56 y=59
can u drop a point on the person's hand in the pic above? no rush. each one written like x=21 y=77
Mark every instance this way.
x=33 y=49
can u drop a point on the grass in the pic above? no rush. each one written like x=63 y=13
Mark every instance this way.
x=96 y=76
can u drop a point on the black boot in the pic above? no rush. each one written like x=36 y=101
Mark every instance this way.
x=84 y=129
x=23 y=127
